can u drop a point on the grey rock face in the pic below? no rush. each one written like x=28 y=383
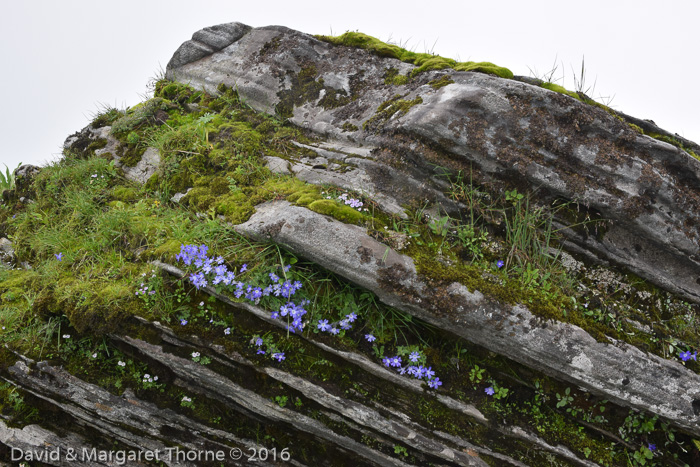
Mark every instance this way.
x=146 y=167
x=505 y=133
x=207 y=41
x=619 y=372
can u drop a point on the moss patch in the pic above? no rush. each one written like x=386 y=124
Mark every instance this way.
x=423 y=61
x=441 y=82
x=394 y=107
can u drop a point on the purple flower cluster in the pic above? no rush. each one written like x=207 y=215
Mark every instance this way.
x=144 y=290
x=685 y=356
x=343 y=324
x=197 y=256
x=352 y=202
x=417 y=371
x=293 y=312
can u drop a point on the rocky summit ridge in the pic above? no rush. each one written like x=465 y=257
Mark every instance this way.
x=339 y=252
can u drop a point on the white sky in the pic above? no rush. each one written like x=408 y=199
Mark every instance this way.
x=62 y=59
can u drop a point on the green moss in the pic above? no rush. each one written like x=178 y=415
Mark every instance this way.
x=424 y=61
x=304 y=88
x=441 y=82
x=340 y=212
x=392 y=76
x=394 y=107
x=177 y=92
x=125 y=194
x=561 y=90
x=107 y=117
x=141 y=114
x=349 y=127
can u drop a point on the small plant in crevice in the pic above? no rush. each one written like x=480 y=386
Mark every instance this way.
x=265 y=345
x=187 y=401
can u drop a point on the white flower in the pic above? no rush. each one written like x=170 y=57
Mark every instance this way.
x=66 y=336
x=186 y=399
x=94 y=355
x=146 y=376
x=227 y=331
x=155 y=378
x=120 y=363
x=201 y=303
x=195 y=354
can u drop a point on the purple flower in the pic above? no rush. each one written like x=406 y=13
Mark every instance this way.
x=345 y=325
x=274 y=277
x=370 y=338
x=278 y=356
x=261 y=351
x=652 y=447
x=183 y=322
x=396 y=361
x=414 y=357
x=287 y=268
x=58 y=256
x=227 y=331
x=500 y=263
x=334 y=330
x=434 y=383
x=685 y=356
x=244 y=267
x=429 y=373
x=386 y=361
x=489 y=390
x=351 y=317
x=323 y=325
x=258 y=342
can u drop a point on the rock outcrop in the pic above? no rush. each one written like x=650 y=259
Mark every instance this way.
x=506 y=131
x=392 y=190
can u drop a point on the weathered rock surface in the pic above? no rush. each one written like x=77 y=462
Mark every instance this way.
x=619 y=372
x=386 y=142
x=506 y=131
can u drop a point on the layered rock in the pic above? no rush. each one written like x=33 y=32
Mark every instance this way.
x=508 y=133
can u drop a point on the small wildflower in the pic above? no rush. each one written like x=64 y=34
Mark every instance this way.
x=244 y=267
x=186 y=399
x=489 y=390
x=414 y=357
x=334 y=330
x=258 y=342
x=370 y=338
x=120 y=363
x=58 y=256
x=201 y=303
x=66 y=336
x=500 y=263
x=685 y=356
x=227 y=331
x=195 y=354
x=94 y=355
x=183 y=322
x=278 y=356
x=261 y=351
x=351 y=317
x=434 y=383
x=652 y=447
x=323 y=324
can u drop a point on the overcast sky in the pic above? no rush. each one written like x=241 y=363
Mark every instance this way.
x=62 y=59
